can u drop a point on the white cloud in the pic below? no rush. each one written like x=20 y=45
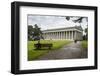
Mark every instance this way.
x=50 y=22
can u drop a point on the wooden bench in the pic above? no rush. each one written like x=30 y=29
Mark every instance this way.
x=39 y=46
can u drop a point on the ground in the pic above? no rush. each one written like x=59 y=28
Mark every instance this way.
x=71 y=51
x=61 y=50
x=34 y=54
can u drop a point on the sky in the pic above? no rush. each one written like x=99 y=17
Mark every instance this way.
x=51 y=22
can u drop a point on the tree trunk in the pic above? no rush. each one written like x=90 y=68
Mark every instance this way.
x=38 y=41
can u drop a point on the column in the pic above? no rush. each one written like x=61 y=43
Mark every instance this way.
x=75 y=35
x=48 y=35
x=78 y=35
x=72 y=35
x=51 y=35
x=54 y=35
x=62 y=34
x=59 y=35
x=66 y=35
x=45 y=35
x=69 y=34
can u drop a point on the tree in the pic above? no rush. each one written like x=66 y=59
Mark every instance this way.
x=86 y=31
x=34 y=33
x=79 y=19
x=30 y=32
x=37 y=33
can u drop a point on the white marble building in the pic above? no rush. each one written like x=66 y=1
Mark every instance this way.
x=69 y=33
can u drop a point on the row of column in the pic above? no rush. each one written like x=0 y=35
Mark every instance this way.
x=60 y=35
x=79 y=36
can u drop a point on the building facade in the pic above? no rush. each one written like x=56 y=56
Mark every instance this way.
x=69 y=33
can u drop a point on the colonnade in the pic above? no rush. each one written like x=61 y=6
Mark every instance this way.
x=71 y=35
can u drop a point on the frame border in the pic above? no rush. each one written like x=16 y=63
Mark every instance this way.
x=15 y=33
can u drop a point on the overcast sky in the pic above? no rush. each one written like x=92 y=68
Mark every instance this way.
x=51 y=22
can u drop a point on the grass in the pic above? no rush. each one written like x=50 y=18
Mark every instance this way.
x=34 y=54
x=84 y=44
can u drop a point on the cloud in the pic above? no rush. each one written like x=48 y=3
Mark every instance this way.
x=50 y=22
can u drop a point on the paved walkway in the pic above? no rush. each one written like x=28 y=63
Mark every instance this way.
x=70 y=51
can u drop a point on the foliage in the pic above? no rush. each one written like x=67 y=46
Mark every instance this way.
x=30 y=32
x=85 y=37
x=79 y=19
x=34 y=33
x=86 y=31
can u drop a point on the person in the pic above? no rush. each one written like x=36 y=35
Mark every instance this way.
x=75 y=41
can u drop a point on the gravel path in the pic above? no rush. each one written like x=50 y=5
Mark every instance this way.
x=70 y=51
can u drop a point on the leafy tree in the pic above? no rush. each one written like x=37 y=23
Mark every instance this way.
x=30 y=32
x=37 y=33
x=34 y=33
x=79 y=19
x=86 y=31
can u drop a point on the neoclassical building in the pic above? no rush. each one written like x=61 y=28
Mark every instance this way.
x=69 y=33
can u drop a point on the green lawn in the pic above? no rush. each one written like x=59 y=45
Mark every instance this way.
x=34 y=54
x=85 y=44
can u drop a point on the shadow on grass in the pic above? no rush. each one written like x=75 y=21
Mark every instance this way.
x=42 y=49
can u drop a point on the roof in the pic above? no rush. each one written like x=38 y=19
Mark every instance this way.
x=75 y=27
